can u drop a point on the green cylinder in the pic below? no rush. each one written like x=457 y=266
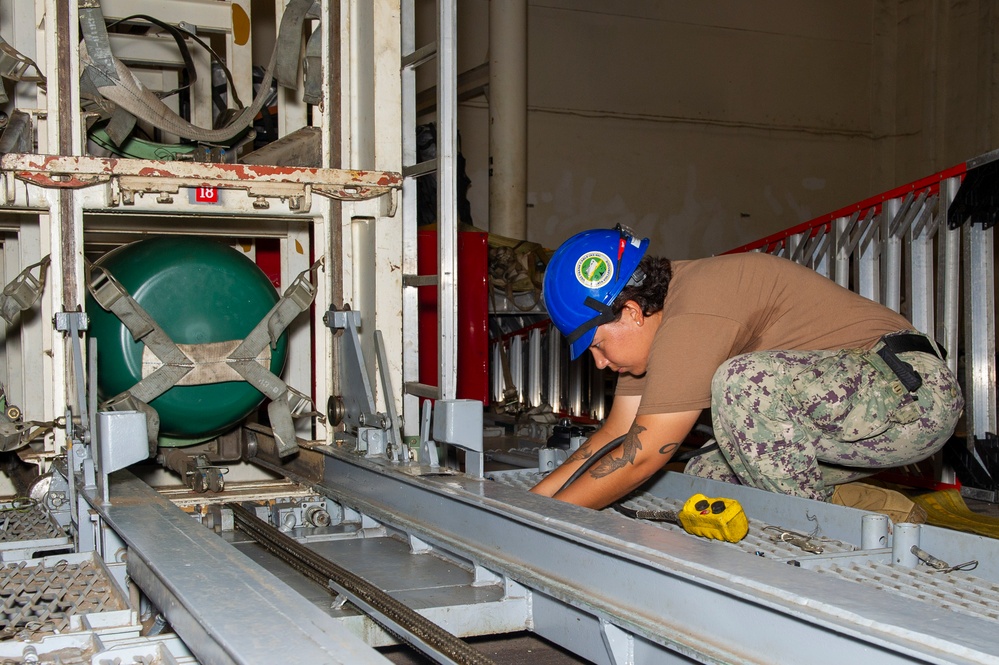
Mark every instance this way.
x=198 y=291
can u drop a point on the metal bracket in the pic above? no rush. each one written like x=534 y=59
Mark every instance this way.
x=619 y=643
x=72 y=324
x=458 y=422
x=376 y=432
x=428 y=447
x=122 y=441
x=399 y=449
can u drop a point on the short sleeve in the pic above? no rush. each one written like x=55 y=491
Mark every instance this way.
x=685 y=354
x=629 y=384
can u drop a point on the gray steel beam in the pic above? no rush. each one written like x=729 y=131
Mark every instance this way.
x=447 y=197
x=979 y=331
x=225 y=607
x=676 y=598
x=949 y=277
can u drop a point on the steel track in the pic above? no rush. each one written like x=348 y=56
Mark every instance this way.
x=397 y=618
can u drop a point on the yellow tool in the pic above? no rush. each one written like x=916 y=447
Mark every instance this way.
x=721 y=519
x=717 y=518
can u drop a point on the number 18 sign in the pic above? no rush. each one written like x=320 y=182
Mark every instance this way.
x=206 y=195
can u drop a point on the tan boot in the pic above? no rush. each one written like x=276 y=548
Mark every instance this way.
x=875 y=499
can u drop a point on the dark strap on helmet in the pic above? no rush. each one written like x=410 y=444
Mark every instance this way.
x=604 y=315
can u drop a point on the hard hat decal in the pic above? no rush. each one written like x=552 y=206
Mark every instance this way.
x=594 y=270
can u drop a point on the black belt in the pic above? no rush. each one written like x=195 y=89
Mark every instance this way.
x=905 y=343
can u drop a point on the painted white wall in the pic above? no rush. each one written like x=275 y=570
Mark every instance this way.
x=708 y=125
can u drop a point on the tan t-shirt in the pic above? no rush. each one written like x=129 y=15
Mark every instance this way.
x=724 y=306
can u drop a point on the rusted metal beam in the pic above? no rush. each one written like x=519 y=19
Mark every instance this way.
x=129 y=177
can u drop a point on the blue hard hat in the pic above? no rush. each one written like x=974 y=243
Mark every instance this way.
x=586 y=273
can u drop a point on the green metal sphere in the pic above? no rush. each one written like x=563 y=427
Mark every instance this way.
x=199 y=291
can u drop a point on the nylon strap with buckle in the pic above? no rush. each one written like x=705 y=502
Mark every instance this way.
x=296 y=299
x=604 y=315
x=112 y=296
x=176 y=364
x=13 y=67
x=112 y=80
x=23 y=291
x=897 y=343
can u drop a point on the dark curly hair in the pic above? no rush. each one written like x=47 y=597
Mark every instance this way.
x=651 y=293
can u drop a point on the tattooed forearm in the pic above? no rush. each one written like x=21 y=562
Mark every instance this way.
x=629 y=450
x=669 y=449
x=582 y=453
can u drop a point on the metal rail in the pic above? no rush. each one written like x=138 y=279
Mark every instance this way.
x=397 y=618
x=166 y=549
x=924 y=249
x=883 y=248
x=616 y=590
x=444 y=50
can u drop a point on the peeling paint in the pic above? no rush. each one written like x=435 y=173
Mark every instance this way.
x=135 y=175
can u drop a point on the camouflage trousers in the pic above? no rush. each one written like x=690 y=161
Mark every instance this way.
x=800 y=422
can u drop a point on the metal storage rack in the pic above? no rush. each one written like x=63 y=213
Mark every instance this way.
x=57 y=200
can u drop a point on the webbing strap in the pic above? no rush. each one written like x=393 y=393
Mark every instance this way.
x=14 y=65
x=95 y=36
x=604 y=315
x=289 y=43
x=509 y=389
x=211 y=362
x=24 y=290
x=244 y=359
x=102 y=66
x=112 y=296
x=296 y=299
x=18 y=135
x=123 y=122
x=120 y=126
x=179 y=37
x=128 y=93
x=312 y=69
x=116 y=83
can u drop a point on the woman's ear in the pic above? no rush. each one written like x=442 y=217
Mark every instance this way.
x=635 y=311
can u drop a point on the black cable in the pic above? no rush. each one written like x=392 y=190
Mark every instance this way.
x=597 y=456
x=614 y=443
x=691 y=454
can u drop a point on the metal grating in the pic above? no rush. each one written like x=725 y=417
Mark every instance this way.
x=956 y=590
x=763 y=539
x=23 y=519
x=111 y=647
x=38 y=599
